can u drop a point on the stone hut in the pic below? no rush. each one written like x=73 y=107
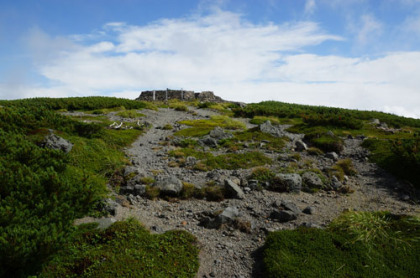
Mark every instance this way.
x=168 y=94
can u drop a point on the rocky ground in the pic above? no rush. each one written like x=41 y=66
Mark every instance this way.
x=230 y=250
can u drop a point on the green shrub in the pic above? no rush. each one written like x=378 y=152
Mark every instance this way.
x=314 y=151
x=400 y=157
x=167 y=127
x=152 y=192
x=125 y=249
x=342 y=251
x=214 y=193
x=262 y=174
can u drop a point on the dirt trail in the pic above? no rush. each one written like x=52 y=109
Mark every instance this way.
x=229 y=252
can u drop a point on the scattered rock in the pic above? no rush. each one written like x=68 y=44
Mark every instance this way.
x=310 y=225
x=312 y=180
x=300 y=146
x=208 y=141
x=139 y=189
x=110 y=206
x=332 y=155
x=218 y=133
x=169 y=185
x=375 y=122
x=330 y=133
x=287 y=182
x=234 y=189
x=267 y=127
x=55 y=142
x=104 y=223
x=309 y=210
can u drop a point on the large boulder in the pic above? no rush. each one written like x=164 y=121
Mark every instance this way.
x=227 y=217
x=312 y=180
x=218 y=133
x=233 y=189
x=287 y=182
x=55 y=142
x=208 y=141
x=169 y=185
x=287 y=211
x=300 y=146
x=267 y=127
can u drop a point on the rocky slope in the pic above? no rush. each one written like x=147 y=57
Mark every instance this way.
x=232 y=231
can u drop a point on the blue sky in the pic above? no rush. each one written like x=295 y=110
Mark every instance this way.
x=362 y=54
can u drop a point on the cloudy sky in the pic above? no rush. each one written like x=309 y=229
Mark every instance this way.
x=362 y=54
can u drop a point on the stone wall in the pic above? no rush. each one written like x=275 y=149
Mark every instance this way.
x=163 y=95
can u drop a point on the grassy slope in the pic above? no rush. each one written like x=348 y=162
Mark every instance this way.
x=43 y=190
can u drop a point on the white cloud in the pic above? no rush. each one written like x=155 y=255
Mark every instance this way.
x=237 y=59
x=367 y=30
x=310 y=6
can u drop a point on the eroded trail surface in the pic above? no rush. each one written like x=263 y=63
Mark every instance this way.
x=229 y=252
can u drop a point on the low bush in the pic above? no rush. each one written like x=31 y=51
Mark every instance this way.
x=344 y=248
x=125 y=249
x=262 y=174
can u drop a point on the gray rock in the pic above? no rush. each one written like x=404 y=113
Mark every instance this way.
x=309 y=210
x=191 y=161
x=233 y=189
x=287 y=211
x=208 y=141
x=104 y=223
x=332 y=155
x=375 y=122
x=139 y=189
x=228 y=215
x=110 y=206
x=310 y=225
x=287 y=182
x=312 y=180
x=169 y=185
x=253 y=184
x=55 y=142
x=335 y=183
x=267 y=127
x=283 y=215
x=218 y=133
x=330 y=133
x=300 y=146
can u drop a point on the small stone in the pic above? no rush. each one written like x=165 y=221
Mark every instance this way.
x=309 y=210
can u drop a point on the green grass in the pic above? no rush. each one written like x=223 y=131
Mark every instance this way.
x=126 y=249
x=131 y=114
x=257 y=120
x=230 y=161
x=254 y=137
x=342 y=250
x=204 y=126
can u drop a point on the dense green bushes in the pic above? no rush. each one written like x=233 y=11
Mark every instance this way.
x=400 y=157
x=335 y=116
x=75 y=103
x=42 y=190
x=38 y=203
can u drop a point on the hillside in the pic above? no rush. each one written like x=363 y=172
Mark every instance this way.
x=236 y=184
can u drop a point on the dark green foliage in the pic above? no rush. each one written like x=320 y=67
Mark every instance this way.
x=37 y=204
x=318 y=138
x=334 y=120
x=400 y=157
x=306 y=252
x=336 y=115
x=75 y=103
x=125 y=249
x=42 y=191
